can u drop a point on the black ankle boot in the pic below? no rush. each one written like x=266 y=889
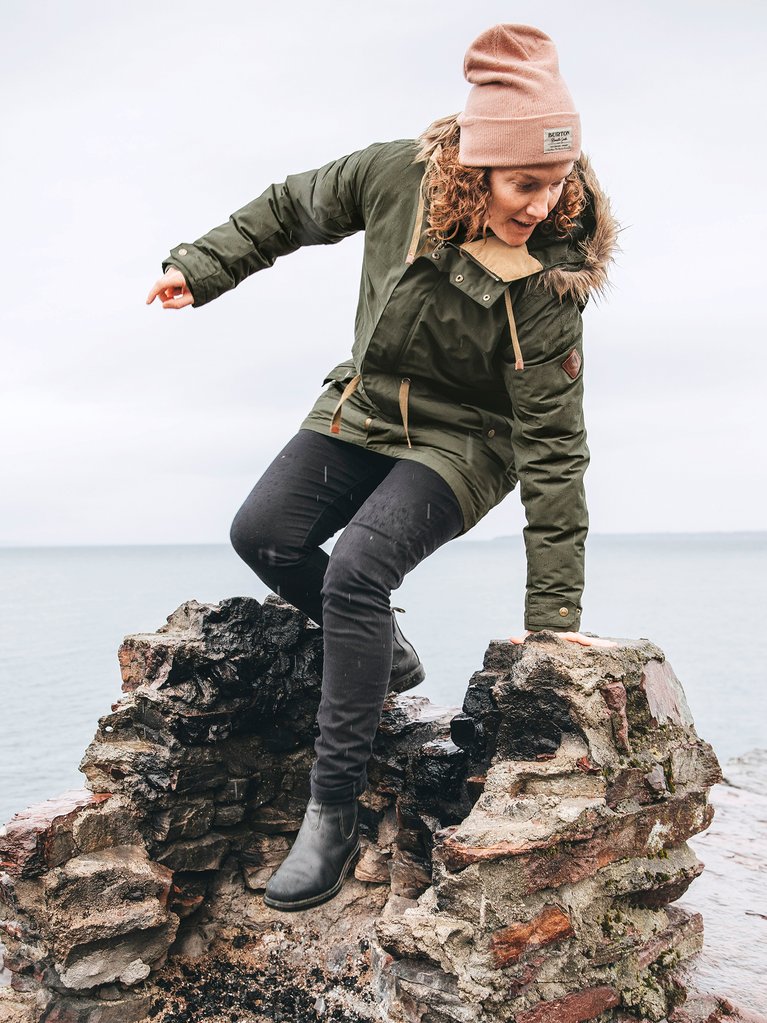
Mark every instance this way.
x=406 y=670
x=315 y=868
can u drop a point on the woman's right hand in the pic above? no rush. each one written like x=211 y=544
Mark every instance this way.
x=571 y=637
x=172 y=290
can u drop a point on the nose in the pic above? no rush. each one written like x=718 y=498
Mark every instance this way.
x=538 y=207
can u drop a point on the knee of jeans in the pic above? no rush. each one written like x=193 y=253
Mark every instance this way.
x=353 y=574
x=241 y=535
x=259 y=542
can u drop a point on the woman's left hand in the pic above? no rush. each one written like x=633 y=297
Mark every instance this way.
x=572 y=637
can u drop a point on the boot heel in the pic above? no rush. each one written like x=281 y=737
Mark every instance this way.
x=407 y=670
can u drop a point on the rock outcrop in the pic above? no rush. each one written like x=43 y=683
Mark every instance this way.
x=522 y=856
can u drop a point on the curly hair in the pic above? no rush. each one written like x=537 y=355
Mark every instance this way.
x=458 y=197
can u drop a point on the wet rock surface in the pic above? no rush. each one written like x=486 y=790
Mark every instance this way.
x=525 y=857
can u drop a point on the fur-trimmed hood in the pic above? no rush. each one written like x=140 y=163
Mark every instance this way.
x=598 y=249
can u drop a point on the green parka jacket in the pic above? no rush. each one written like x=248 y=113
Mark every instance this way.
x=466 y=357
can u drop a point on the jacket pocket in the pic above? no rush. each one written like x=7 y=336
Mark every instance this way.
x=551 y=390
x=495 y=432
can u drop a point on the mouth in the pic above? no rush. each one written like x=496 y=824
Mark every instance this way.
x=523 y=224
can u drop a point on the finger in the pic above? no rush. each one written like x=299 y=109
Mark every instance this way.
x=178 y=302
x=581 y=640
x=519 y=639
x=163 y=288
x=170 y=280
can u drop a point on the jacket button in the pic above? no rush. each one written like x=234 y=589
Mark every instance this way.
x=564 y=612
x=182 y=252
x=435 y=255
x=458 y=278
x=368 y=423
x=491 y=433
x=485 y=298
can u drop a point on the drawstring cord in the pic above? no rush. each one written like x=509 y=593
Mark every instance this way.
x=519 y=364
x=351 y=387
x=418 y=223
x=404 y=393
x=335 y=419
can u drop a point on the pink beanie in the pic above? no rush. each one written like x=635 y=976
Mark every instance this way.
x=519 y=111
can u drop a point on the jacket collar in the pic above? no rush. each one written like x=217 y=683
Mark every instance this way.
x=509 y=262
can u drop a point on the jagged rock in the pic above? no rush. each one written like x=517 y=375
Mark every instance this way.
x=104 y=824
x=204 y=853
x=42 y=836
x=188 y=818
x=521 y=855
x=227 y=815
x=283 y=814
x=509 y=943
x=541 y=844
x=107 y=916
x=129 y=1008
x=373 y=865
x=16 y=1007
x=261 y=857
x=410 y=875
x=187 y=892
x=574 y=1007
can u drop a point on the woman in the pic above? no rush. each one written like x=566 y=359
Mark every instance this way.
x=483 y=240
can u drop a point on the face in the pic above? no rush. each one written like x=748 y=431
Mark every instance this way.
x=521 y=197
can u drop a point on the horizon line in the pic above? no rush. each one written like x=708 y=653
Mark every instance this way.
x=463 y=539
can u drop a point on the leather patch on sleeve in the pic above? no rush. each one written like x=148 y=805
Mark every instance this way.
x=572 y=364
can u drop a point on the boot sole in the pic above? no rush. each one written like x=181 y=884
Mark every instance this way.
x=410 y=681
x=315 y=900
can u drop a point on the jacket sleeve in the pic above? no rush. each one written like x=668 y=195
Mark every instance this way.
x=317 y=207
x=551 y=456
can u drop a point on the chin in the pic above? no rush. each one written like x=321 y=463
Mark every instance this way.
x=514 y=235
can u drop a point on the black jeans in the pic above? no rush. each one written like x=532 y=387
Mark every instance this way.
x=395 y=512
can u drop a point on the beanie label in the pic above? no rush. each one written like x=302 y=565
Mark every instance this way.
x=557 y=140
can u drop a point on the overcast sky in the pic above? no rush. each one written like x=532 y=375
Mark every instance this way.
x=128 y=128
